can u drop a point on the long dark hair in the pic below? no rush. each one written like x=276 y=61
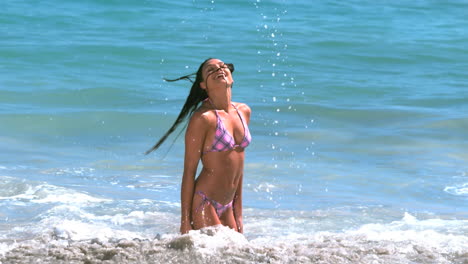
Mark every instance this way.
x=195 y=97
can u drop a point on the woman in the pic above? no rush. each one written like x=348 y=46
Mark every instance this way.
x=217 y=133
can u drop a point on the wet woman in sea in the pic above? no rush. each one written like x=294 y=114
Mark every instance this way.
x=217 y=134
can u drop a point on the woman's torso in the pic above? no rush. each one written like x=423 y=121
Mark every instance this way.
x=222 y=170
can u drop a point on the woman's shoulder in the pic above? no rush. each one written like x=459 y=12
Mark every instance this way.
x=242 y=107
x=203 y=115
x=200 y=122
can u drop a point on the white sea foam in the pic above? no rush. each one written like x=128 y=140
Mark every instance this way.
x=5 y=247
x=12 y=188
x=136 y=218
x=461 y=189
x=69 y=171
x=264 y=187
x=53 y=194
x=83 y=223
x=16 y=189
x=430 y=233
x=78 y=231
x=139 y=218
x=75 y=228
x=222 y=245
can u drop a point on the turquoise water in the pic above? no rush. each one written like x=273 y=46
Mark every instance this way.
x=358 y=122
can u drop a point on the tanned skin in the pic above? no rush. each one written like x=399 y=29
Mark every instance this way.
x=222 y=173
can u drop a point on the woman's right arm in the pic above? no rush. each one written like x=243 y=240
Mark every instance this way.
x=194 y=138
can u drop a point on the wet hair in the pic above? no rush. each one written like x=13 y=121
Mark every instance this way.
x=195 y=97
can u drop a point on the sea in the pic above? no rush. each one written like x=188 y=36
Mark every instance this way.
x=359 y=125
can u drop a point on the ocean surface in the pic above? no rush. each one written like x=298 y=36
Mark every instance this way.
x=359 y=125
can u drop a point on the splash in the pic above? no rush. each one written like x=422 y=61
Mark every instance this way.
x=220 y=244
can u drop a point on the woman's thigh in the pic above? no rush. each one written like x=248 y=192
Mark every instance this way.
x=228 y=219
x=203 y=213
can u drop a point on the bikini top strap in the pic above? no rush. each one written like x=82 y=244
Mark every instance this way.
x=216 y=111
x=238 y=113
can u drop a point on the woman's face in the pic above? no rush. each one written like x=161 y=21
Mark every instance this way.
x=215 y=72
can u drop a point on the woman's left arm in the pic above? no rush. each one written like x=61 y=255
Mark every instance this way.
x=237 y=206
x=245 y=109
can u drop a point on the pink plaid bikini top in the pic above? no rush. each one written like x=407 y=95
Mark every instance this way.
x=223 y=140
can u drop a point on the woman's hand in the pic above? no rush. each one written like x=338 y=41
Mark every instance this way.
x=237 y=206
x=240 y=225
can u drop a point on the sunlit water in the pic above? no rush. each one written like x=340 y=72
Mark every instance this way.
x=358 y=122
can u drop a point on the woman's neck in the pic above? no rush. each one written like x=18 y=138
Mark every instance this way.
x=221 y=101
